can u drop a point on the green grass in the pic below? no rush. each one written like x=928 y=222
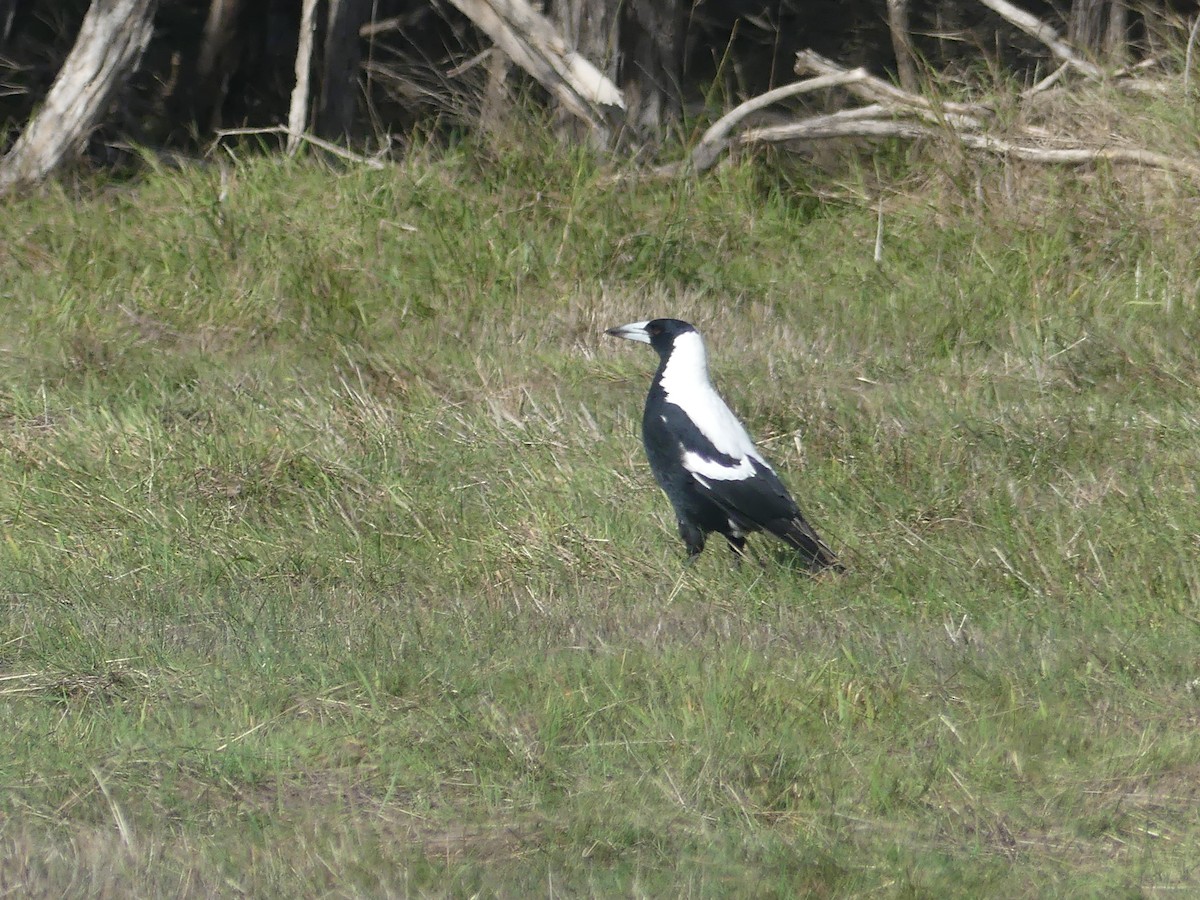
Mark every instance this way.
x=330 y=563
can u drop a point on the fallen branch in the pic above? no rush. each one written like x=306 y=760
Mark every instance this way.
x=893 y=112
x=840 y=125
x=1082 y=155
x=297 y=136
x=531 y=41
x=714 y=141
x=1046 y=83
x=1036 y=28
x=876 y=90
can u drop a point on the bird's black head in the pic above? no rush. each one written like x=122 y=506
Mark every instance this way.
x=658 y=333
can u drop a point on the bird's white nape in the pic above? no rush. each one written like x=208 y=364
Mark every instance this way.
x=685 y=383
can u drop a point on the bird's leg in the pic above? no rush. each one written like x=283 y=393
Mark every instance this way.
x=693 y=538
x=738 y=546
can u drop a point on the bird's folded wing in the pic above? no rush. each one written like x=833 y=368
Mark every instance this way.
x=747 y=488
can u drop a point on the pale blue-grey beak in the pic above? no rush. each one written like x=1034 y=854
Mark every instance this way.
x=634 y=331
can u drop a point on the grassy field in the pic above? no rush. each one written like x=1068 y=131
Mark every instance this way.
x=330 y=563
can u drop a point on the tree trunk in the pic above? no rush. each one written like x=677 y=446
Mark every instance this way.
x=339 y=70
x=1085 y=28
x=298 y=108
x=906 y=67
x=214 y=62
x=590 y=28
x=111 y=40
x=1116 y=38
x=651 y=63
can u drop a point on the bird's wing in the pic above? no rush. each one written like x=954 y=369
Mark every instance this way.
x=747 y=488
x=753 y=497
x=715 y=450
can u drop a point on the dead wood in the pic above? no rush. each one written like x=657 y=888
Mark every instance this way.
x=298 y=109
x=906 y=66
x=897 y=113
x=876 y=90
x=111 y=40
x=298 y=137
x=714 y=141
x=1035 y=27
x=837 y=125
x=532 y=42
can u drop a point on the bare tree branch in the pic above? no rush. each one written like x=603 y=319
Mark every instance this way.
x=111 y=40
x=1081 y=155
x=532 y=42
x=864 y=122
x=1048 y=82
x=842 y=125
x=716 y=138
x=1035 y=27
x=303 y=136
x=876 y=89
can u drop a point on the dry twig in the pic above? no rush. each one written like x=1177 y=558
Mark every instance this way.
x=298 y=136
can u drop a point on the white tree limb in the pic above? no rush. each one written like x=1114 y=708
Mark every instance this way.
x=298 y=109
x=876 y=90
x=531 y=41
x=1081 y=155
x=370 y=162
x=1036 y=28
x=841 y=124
x=863 y=122
x=1187 y=56
x=714 y=141
x=111 y=40
x=1046 y=83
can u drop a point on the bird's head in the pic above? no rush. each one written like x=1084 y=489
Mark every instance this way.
x=658 y=333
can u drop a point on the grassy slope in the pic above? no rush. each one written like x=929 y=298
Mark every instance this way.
x=329 y=559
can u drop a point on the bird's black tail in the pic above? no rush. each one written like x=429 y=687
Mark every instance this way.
x=799 y=534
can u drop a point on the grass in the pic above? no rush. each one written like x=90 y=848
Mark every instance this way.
x=331 y=564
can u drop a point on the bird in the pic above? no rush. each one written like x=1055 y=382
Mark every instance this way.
x=703 y=458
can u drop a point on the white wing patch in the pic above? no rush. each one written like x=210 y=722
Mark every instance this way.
x=702 y=468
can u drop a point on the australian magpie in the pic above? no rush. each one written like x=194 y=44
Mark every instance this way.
x=702 y=457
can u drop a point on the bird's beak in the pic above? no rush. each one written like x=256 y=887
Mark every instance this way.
x=634 y=331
